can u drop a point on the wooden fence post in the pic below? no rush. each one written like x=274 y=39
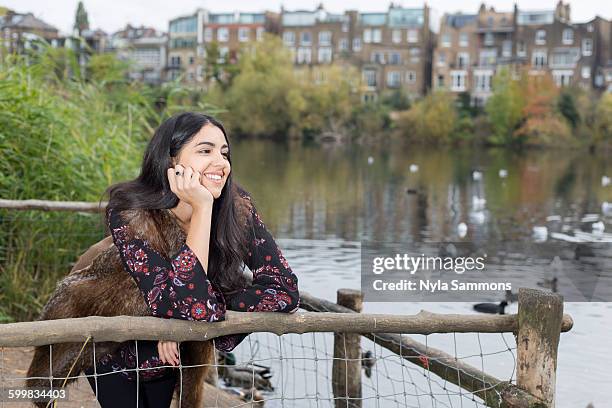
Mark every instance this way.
x=539 y=327
x=346 y=367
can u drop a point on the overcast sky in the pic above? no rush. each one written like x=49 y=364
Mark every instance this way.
x=111 y=15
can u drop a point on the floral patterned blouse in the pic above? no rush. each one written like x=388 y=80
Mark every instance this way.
x=179 y=288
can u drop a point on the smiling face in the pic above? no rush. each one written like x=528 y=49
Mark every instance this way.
x=207 y=152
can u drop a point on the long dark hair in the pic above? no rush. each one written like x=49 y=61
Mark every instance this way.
x=151 y=191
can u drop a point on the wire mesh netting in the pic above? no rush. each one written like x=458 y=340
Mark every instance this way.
x=298 y=371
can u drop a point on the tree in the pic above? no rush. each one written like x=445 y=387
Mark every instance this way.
x=265 y=98
x=567 y=108
x=81 y=20
x=603 y=119
x=505 y=107
x=542 y=124
x=430 y=120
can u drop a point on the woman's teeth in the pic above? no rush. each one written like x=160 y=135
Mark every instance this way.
x=213 y=176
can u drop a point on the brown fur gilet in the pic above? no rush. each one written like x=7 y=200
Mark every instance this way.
x=103 y=287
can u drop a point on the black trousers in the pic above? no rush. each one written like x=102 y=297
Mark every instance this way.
x=115 y=391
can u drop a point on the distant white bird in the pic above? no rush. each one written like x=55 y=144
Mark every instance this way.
x=540 y=233
x=606 y=208
x=462 y=229
x=605 y=181
x=598 y=226
x=370 y=160
x=477 y=217
x=503 y=173
x=414 y=168
x=476 y=175
x=478 y=203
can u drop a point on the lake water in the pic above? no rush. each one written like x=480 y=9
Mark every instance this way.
x=322 y=202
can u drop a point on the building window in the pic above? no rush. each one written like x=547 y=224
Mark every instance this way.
x=288 y=37
x=446 y=40
x=489 y=39
x=325 y=38
x=369 y=76
x=413 y=36
x=540 y=37
x=458 y=81
x=463 y=60
x=305 y=38
x=507 y=48
x=586 y=72
x=259 y=33
x=222 y=34
x=563 y=77
x=487 y=57
x=243 y=34
x=367 y=35
x=415 y=55
x=393 y=79
x=191 y=60
x=411 y=77
x=587 y=47
x=395 y=58
x=396 y=36
x=208 y=34
x=464 y=40
x=482 y=81
x=539 y=58
x=345 y=27
x=325 y=55
x=568 y=36
x=565 y=57
x=343 y=44
x=175 y=61
x=440 y=81
x=590 y=28
x=304 y=55
x=521 y=49
x=356 y=44
x=377 y=57
x=441 y=59
x=376 y=35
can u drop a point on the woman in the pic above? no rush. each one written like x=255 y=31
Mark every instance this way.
x=181 y=230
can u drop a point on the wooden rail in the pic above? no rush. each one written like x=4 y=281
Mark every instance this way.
x=45 y=205
x=123 y=328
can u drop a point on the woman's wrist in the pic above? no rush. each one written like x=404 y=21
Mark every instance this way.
x=202 y=208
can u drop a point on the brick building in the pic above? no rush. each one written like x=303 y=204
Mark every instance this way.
x=472 y=47
x=391 y=49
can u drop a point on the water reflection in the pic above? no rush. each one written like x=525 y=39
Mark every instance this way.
x=317 y=193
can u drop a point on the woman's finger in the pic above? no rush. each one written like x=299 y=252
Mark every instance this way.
x=179 y=177
x=187 y=175
x=169 y=351
x=160 y=351
x=176 y=353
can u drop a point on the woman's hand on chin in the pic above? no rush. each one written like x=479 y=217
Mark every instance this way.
x=188 y=187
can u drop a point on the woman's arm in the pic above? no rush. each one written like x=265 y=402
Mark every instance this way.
x=275 y=286
x=172 y=288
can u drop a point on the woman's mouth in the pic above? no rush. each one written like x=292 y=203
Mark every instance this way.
x=216 y=178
